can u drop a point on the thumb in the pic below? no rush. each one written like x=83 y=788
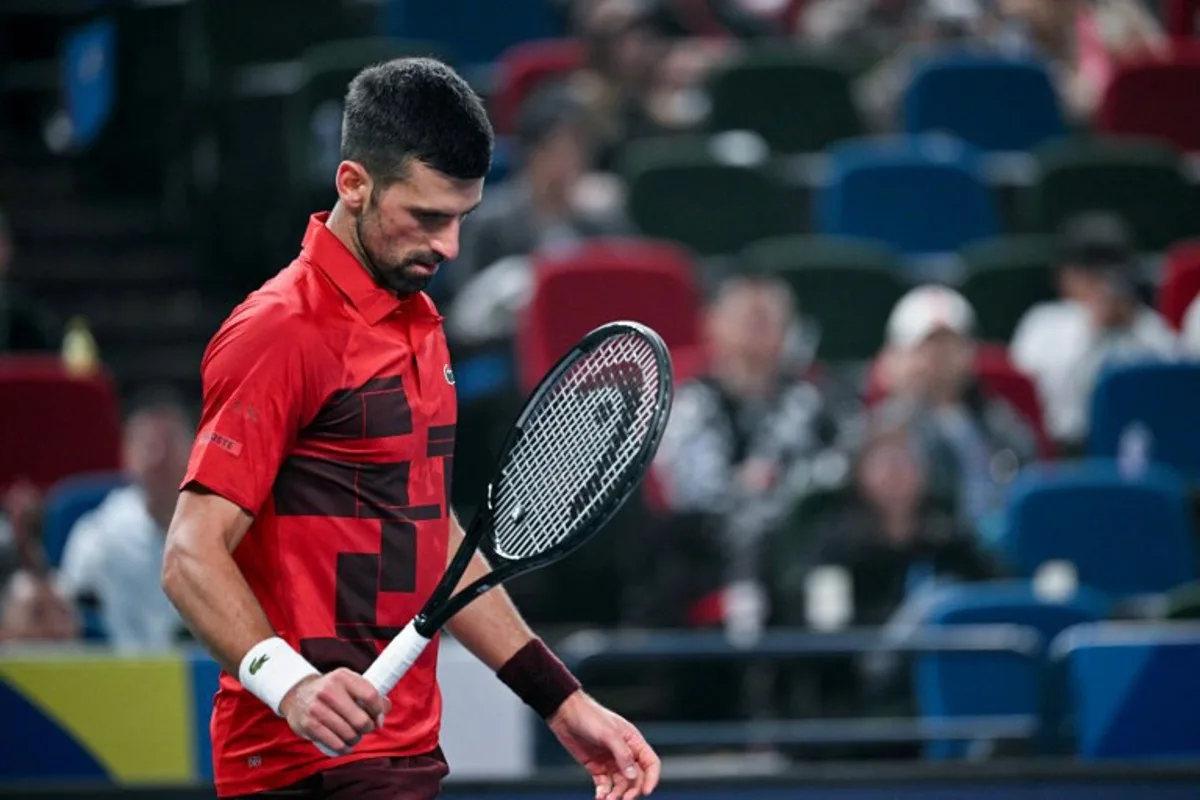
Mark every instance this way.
x=621 y=754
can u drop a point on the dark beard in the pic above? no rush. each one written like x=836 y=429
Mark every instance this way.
x=392 y=280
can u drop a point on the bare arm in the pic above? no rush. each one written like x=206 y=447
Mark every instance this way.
x=203 y=581
x=490 y=627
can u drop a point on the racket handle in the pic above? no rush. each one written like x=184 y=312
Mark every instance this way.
x=395 y=660
x=391 y=665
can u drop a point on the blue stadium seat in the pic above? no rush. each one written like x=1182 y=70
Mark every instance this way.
x=984 y=684
x=1134 y=688
x=1125 y=535
x=1161 y=397
x=476 y=31
x=922 y=195
x=69 y=500
x=957 y=95
x=89 y=68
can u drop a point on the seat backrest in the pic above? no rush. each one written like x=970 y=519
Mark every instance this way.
x=1125 y=534
x=478 y=31
x=1134 y=689
x=711 y=194
x=827 y=276
x=798 y=103
x=921 y=194
x=524 y=67
x=69 y=500
x=1159 y=399
x=53 y=424
x=982 y=683
x=1142 y=180
x=1183 y=18
x=957 y=94
x=1006 y=277
x=1181 y=282
x=1154 y=98
x=603 y=281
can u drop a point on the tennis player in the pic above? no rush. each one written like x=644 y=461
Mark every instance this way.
x=314 y=519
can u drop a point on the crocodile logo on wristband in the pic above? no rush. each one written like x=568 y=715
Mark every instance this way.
x=257 y=663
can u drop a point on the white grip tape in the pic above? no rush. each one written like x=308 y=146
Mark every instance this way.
x=390 y=666
x=396 y=659
x=271 y=668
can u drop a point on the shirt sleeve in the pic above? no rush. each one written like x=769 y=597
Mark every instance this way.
x=260 y=382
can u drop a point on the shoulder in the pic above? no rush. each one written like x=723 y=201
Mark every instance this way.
x=1041 y=323
x=1154 y=331
x=281 y=318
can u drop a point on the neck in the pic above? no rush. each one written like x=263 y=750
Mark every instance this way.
x=742 y=382
x=341 y=223
x=897 y=523
x=548 y=203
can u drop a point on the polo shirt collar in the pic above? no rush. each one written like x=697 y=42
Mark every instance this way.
x=325 y=251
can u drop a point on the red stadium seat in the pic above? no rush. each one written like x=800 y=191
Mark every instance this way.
x=1181 y=283
x=1183 y=18
x=53 y=425
x=524 y=67
x=644 y=281
x=999 y=378
x=1155 y=98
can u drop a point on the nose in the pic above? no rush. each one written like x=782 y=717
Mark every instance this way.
x=445 y=241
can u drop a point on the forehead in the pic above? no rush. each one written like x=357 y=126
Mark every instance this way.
x=424 y=188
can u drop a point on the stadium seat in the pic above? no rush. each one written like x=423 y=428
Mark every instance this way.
x=1126 y=535
x=53 y=424
x=606 y=280
x=1181 y=282
x=796 y=103
x=713 y=195
x=524 y=67
x=984 y=684
x=89 y=66
x=828 y=276
x=957 y=95
x=1183 y=18
x=1154 y=98
x=1134 y=689
x=67 y=501
x=477 y=31
x=1161 y=397
x=922 y=195
x=1142 y=180
x=1004 y=278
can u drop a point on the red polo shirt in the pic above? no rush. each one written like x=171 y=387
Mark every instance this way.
x=329 y=412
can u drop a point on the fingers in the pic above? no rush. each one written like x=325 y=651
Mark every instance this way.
x=321 y=735
x=365 y=695
x=626 y=776
x=339 y=696
x=603 y=786
x=647 y=759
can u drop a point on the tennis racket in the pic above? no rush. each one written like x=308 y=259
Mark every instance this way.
x=578 y=449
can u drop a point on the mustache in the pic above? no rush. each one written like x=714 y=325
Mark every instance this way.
x=428 y=258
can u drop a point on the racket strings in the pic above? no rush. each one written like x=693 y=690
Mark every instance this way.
x=577 y=448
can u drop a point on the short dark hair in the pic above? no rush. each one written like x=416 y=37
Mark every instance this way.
x=416 y=108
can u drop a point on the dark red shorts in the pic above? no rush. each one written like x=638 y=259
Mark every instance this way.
x=400 y=778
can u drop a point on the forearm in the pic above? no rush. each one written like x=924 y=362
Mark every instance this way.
x=490 y=627
x=215 y=601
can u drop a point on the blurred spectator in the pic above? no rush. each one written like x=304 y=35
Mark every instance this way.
x=1083 y=41
x=113 y=555
x=931 y=27
x=742 y=446
x=1189 y=337
x=972 y=445
x=836 y=24
x=32 y=608
x=25 y=325
x=892 y=538
x=549 y=201
x=1100 y=320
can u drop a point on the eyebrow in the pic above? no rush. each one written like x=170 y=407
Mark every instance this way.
x=437 y=212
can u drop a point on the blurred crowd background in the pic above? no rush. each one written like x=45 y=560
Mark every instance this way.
x=928 y=270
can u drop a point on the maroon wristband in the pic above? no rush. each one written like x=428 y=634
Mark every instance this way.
x=537 y=677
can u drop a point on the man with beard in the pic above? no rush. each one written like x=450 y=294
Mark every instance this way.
x=314 y=521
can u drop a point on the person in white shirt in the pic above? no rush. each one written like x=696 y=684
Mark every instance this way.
x=1189 y=337
x=114 y=553
x=1100 y=321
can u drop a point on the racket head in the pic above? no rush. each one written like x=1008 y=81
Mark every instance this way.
x=617 y=382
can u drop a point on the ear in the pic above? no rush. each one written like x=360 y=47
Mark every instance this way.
x=354 y=186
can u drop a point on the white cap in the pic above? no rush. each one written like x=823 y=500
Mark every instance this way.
x=926 y=310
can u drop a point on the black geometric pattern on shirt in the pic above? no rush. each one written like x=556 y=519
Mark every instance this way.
x=320 y=487
x=377 y=409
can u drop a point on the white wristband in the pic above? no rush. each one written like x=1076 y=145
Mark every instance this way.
x=271 y=669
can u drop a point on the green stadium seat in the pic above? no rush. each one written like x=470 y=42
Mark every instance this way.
x=1140 y=179
x=847 y=287
x=712 y=195
x=798 y=103
x=1005 y=277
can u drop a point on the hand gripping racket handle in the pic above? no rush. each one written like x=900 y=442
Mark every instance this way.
x=391 y=665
